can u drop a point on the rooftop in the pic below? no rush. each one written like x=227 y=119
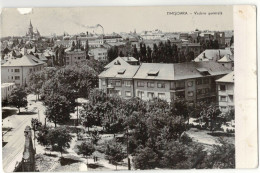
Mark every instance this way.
x=26 y=60
x=121 y=61
x=180 y=71
x=227 y=78
x=212 y=54
x=120 y=72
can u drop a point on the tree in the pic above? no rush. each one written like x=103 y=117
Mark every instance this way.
x=59 y=138
x=145 y=158
x=42 y=136
x=95 y=137
x=222 y=156
x=57 y=108
x=86 y=149
x=18 y=98
x=114 y=153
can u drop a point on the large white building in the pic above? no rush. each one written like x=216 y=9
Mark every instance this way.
x=17 y=70
x=99 y=53
x=225 y=87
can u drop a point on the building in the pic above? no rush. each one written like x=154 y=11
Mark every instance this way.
x=6 y=89
x=227 y=61
x=32 y=35
x=99 y=54
x=118 y=80
x=112 y=38
x=17 y=70
x=76 y=56
x=192 y=81
x=93 y=41
x=122 y=61
x=191 y=47
x=152 y=35
x=225 y=87
x=212 y=55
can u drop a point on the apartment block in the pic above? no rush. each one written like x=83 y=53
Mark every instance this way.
x=225 y=87
x=193 y=81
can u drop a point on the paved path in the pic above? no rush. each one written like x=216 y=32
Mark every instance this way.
x=13 y=150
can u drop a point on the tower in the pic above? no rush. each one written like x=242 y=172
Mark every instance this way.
x=28 y=160
x=30 y=30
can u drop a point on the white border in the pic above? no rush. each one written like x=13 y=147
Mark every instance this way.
x=238 y=40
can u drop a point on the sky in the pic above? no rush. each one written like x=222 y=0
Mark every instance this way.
x=115 y=19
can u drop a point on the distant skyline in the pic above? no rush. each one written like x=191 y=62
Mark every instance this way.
x=116 y=19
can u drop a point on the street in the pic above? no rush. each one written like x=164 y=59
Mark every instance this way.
x=13 y=150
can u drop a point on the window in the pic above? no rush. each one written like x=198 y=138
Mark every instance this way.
x=8 y=70
x=205 y=81
x=206 y=90
x=199 y=81
x=150 y=95
x=128 y=93
x=140 y=94
x=190 y=83
x=199 y=91
x=222 y=87
x=223 y=98
x=12 y=70
x=140 y=84
x=118 y=83
x=150 y=84
x=78 y=57
x=190 y=93
x=178 y=85
x=118 y=92
x=160 y=85
x=161 y=95
x=180 y=95
x=103 y=82
x=128 y=83
x=17 y=77
x=231 y=98
x=223 y=108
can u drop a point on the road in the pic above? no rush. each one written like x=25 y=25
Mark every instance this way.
x=13 y=150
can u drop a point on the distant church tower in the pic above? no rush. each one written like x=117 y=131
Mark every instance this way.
x=32 y=34
x=28 y=160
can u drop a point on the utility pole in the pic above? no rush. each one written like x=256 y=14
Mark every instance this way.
x=128 y=159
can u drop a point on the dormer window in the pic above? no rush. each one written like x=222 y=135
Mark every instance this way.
x=203 y=71
x=153 y=73
x=121 y=71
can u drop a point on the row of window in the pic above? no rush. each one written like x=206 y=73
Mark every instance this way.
x=173 y=85
x=14 y=70
x=224 y=98
x=150 y=95
x=14 y=77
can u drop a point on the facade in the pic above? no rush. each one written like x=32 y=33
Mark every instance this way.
x=76 y=56
x=99 y=54
x=118 y=80
x=193 y=81
x=92 y=42
x=18 y=70
x=225 y=87
x=192 y=47
x=6 y=89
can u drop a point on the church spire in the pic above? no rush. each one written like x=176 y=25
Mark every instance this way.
x=30 y=23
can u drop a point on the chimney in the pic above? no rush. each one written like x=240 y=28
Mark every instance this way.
x=219 y=54
x=204 y=55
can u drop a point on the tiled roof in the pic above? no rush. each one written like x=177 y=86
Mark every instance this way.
x=26 y=60
x=227 y=78
x=118 y=61
x=166 y=71
x=212 y=54
x=196 y=69
x=227 y=58
x=120 y=72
